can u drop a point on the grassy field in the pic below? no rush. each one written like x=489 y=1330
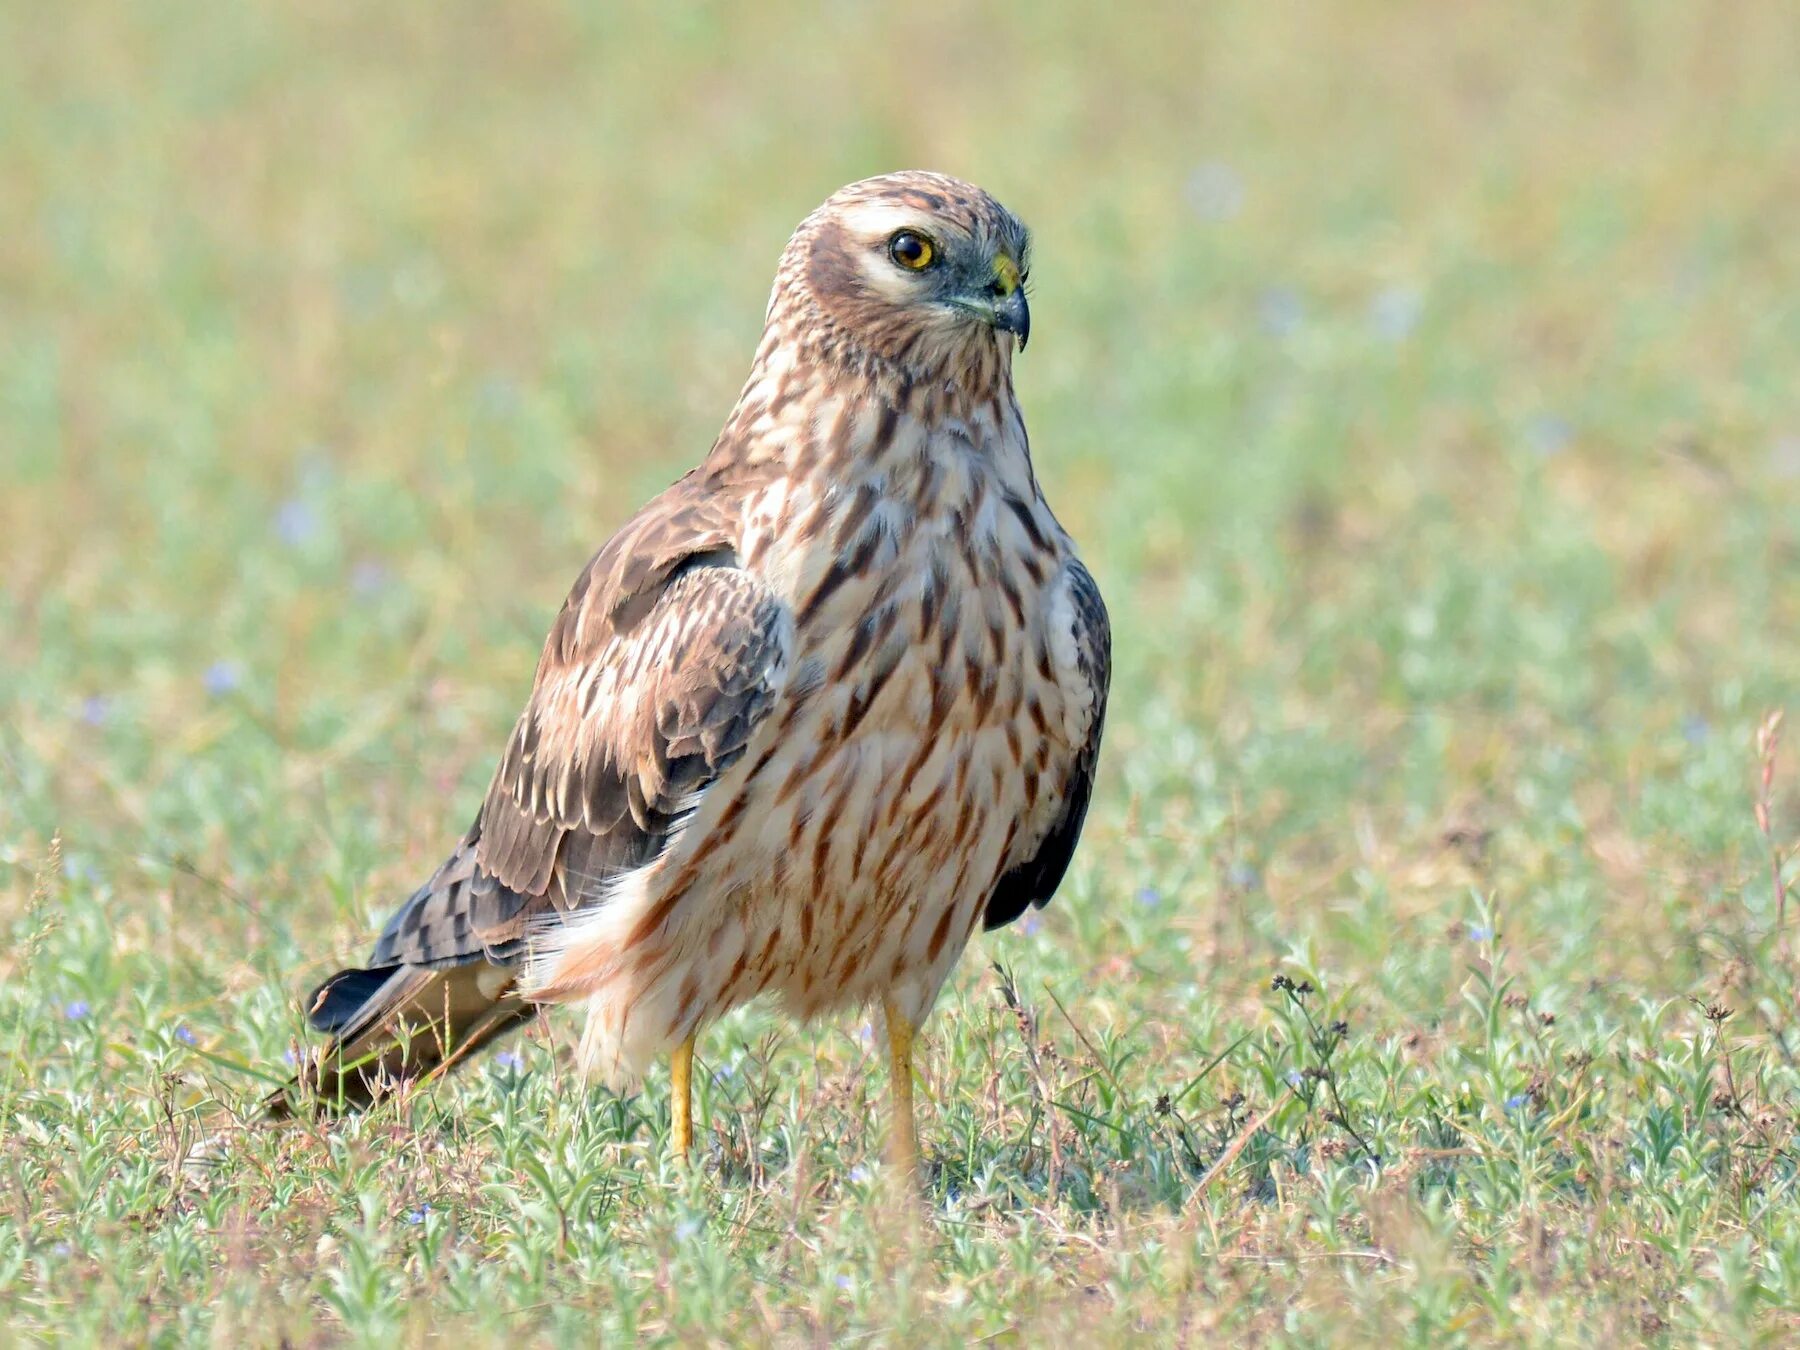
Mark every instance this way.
x=1421 y=383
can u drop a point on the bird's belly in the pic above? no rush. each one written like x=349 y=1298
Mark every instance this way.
x=872 y=869
x=849 y=855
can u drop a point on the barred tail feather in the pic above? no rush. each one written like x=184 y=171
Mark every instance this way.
x=396 y=1025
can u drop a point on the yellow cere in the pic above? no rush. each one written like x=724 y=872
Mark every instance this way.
x=1006 y=274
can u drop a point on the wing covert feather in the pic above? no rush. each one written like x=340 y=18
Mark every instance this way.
x=661 y=664
x=615 y=742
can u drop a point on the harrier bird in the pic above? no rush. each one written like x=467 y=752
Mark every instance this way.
x=822 y=707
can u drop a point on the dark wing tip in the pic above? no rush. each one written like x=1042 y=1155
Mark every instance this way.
x=334 y=1004
x=1035 y=882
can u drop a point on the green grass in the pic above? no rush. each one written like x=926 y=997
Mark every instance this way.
x=1420 y=383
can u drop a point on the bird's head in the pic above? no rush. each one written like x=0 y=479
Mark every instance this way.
x=915 y=268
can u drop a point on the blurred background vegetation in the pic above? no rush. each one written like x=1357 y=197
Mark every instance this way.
x=1419 y=381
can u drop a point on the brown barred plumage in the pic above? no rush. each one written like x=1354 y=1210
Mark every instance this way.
x=821 y=708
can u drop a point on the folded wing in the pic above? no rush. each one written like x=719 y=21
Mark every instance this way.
x=662 y=663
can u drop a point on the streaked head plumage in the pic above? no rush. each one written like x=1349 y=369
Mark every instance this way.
x=915 y=268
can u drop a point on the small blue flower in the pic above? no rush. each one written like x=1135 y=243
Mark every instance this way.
x=511 y=1060
x=1695 y=729
x=76 y=1009
x=419 y=1215
x=96 y=709
x=1242 y=876
x=1548 y=435
x=290 y=1057
x=185 y=1035
x=80 y=869
x=1293 y=1077
x=1395 y=312
x=62 y=1249
x=368 y=578
x=859 y=1174
x=1477 y=933
x=843 y=1282
x=1149 y=897
x=222 y=677
x=296 y=522
x=1280 y=311
x=1517 y=1100
x=1215 y=191
x=1031 y=925
x=687 y=1229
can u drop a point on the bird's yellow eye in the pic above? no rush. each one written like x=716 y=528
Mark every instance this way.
x=911 y=251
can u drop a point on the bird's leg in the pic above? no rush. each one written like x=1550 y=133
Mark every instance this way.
x=903 y=1135
x=681 y=1098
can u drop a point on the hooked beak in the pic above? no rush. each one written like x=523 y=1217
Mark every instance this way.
x=1000 y=303
x=1010 y=314
x=1013 y=315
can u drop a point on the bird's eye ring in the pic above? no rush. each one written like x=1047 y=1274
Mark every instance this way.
x=912 y=251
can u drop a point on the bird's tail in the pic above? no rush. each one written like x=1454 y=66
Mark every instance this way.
x=394 y=1025
x=437 y=990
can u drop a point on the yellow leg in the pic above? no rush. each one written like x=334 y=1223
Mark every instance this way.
x=903 y=1136
x=681 y=1099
